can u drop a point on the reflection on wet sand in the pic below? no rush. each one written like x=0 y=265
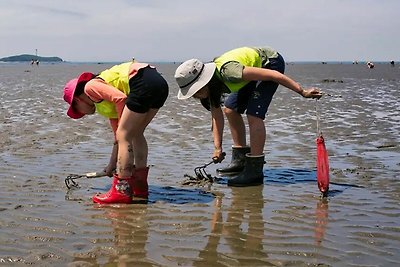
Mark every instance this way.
x=129 y=226
x=130 y=235
x=283 y=223
x=242 y=231
x=321 y=220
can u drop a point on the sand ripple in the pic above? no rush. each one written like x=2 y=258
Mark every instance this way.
x=283 y=223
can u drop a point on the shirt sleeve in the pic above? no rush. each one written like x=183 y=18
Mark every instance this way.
x=232 y=71
x=98 y=90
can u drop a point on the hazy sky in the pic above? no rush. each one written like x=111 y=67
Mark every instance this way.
x=176 y=30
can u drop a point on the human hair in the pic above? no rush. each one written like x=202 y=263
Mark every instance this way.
x=80 y=87
x=216 y=90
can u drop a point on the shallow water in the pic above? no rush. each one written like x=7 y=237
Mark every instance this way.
x=282 y=223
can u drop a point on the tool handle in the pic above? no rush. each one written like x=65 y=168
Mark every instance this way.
x=95 y=174
x=331 y=95
x=215 y=159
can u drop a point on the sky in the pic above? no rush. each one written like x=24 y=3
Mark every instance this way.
x=176 y=30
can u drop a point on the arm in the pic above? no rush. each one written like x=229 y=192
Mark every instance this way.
x=99 y=90
x=112 y=164
x=217 y=128
x=260 y=74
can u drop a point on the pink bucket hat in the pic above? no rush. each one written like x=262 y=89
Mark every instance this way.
x=69 y=91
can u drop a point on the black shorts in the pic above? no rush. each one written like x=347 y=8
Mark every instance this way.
x=256 y=97
x=148 y=90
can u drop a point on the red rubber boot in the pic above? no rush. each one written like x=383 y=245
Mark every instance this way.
x=120 y=192
x=139 y=183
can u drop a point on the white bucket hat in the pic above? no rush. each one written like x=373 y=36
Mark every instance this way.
x=192 y=75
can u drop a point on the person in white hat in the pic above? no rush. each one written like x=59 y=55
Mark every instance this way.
x=251 y=76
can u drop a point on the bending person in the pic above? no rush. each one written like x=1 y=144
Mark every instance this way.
x=251 y=76
x=130 y=95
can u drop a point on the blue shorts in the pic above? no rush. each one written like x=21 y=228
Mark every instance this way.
x=256 y=96
x=148 y=90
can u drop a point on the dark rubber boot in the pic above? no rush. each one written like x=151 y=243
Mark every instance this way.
x=252 y=173
x=120 y=192
x=140 y=187
x=237 y=162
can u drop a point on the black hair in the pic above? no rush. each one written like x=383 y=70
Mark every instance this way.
x=80 y=87
x=216 y=90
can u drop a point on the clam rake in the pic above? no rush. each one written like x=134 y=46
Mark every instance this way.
x=201 y=172
x=71 y=183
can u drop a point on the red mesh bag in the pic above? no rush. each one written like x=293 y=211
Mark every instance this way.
x=322 y=166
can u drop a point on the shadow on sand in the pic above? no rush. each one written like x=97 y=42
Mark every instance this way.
x=295 y=176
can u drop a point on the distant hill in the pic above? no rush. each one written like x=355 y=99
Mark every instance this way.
x=26 y=57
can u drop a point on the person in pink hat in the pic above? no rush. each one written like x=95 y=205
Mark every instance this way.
x=129 y=95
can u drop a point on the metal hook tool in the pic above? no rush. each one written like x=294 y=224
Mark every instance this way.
x=201 y=172
x=70 y=180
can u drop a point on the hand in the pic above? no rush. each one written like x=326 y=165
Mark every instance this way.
x=311 y=93
x=218 y=156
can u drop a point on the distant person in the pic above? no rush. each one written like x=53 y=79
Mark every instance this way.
x=32 y=62
x=251 y=76
x=392 y=63
x=370 y=65
x=37 y=62
x=130 y=95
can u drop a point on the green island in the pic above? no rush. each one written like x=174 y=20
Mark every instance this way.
x=27 y=57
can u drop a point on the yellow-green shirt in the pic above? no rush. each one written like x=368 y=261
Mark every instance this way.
x=230 y=65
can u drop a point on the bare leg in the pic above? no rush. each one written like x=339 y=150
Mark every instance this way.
x=236 y=124
x=132 y=145
x=257 y=135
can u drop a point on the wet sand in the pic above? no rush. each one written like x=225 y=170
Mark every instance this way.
x=282 y=223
